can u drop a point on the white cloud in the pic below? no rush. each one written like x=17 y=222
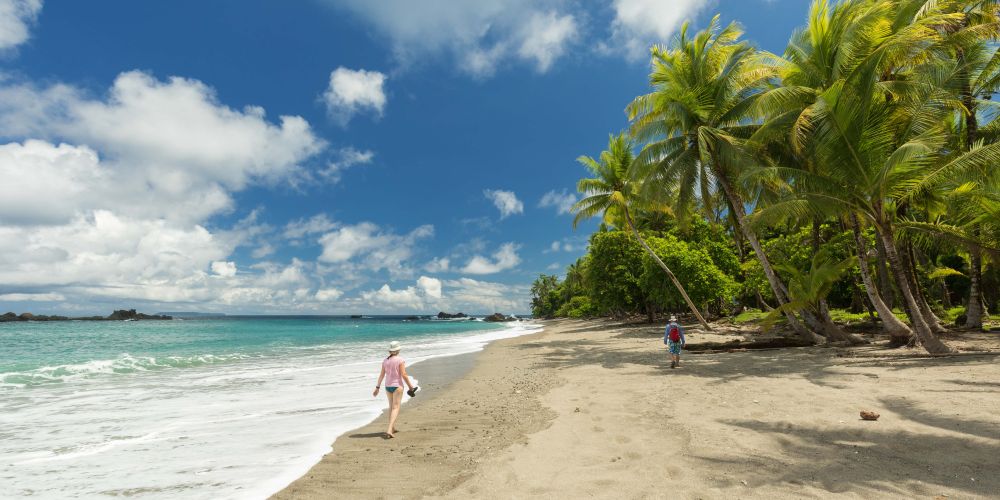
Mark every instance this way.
x=505 y=201
x=478 y=35
x=408 y=299
x=16 y=19
x=353 y=91
x=438 y=265
x=545 y=36
x=504 y=258
x=300 y=228
x=224 y=269
x=328 y=294
x=562 y=201
x=32 y=297
x=106 y=200
x=372 y=247
x=430 y=286
x=152 y=149
x=638 y=24
x=471 y=295
x=346 y=158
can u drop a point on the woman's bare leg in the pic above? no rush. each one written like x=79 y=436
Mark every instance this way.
x=395 y=399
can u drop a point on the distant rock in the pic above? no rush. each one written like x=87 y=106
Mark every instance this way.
x=444 y=315
x=355 y=316
x=412 y=318
x=130 y=314
x=8 y=317
x=499 y=318
x=26 y=316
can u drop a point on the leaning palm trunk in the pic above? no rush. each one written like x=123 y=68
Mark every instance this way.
x=899 y=333
x=974 y=312
x=779 y=289
x=670 y=274
x=910 y=263
x=924 y=333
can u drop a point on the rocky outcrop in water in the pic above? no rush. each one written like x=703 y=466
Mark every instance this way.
x=120 y=315
x=444 y=315
x=499 y=318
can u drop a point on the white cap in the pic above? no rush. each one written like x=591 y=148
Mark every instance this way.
x=394 y=346
x=673 y=318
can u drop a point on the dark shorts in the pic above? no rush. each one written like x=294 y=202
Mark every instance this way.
x=390 y=390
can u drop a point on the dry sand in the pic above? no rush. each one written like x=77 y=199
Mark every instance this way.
x=592 y=409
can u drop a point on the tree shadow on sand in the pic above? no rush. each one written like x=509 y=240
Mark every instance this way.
x=878 y=460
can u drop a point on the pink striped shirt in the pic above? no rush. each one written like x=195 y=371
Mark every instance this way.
x=393 y=377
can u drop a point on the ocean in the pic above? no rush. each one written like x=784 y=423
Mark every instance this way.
x=234 y=407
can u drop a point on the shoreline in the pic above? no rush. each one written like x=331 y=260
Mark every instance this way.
x=433 y=375
x=591 y=408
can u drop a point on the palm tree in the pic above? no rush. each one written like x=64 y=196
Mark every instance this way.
x=880 y=131
x=611 y=192
x=694 y=123
x=819 y=55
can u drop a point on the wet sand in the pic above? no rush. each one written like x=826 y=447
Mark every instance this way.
x=592 y=409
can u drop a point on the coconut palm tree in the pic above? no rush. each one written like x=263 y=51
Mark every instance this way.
x=881 y=131
x=694 y=122
x=611 y=193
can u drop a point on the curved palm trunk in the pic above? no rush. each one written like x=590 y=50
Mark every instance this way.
x=897 y=330
x=927 y=338
x=780 y=291
x=974 y=311
x=885 y=287
x=910 y=263
x=677 y=284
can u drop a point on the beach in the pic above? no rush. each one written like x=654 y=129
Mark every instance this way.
x=592 y=409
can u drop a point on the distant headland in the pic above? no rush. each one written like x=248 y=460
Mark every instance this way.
x=119 y=315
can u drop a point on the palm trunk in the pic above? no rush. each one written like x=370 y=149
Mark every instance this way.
x=830 y=329
x=677 y=284
x=932 y=320
x=974 y=311
x=780 y=292
x=926 y=336
x=886 y=290
x=898 y=332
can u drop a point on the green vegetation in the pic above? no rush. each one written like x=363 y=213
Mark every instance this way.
x=858 y=171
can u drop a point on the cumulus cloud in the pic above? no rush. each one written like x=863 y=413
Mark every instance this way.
x=430 y=286
x=107 y=199
x=408 y=299
x=545 y=36
x=328 y=294
x=353 y=91
x=482 y=296
x=638 y=24
x=562 y=201
x=477 y=35
x=224 y=269
x=371 y=247
x=438 y=265
x=166 y=149
x=504 y=258
x=16 y=20
x=505 y=201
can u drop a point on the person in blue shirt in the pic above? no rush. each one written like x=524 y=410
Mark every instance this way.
x=673 y=337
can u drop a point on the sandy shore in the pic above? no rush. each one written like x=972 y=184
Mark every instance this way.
x=588 y=409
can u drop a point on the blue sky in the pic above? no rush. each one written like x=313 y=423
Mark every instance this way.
x=318 y=156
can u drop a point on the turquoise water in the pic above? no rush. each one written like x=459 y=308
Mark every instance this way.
x=206 y=408
x=48 y=352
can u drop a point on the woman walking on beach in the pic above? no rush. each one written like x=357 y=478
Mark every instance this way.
x=394 y=373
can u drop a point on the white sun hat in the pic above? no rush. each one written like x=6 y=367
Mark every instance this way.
x=394 y=346
x=673 y=318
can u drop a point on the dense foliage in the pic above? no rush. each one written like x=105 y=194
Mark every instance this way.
x=859 y=170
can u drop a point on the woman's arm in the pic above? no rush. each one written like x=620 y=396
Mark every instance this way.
x=406 y=378
x=381 y=375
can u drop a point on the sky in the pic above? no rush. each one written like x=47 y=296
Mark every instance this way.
x=316 y=156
